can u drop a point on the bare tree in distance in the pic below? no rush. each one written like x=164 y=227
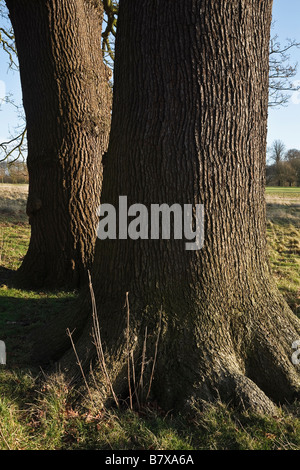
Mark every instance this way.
x=292 y=156
x=283 y=168
x=277 y=151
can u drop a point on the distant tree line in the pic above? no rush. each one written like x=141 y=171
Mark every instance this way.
x=284 y=167
x=14 y=173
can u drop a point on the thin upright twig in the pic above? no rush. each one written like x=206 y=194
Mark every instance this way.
x=134 y=381
x=79 y=364
x=128 y=350
x=98 y=341
x=5 y=441
x=143 y=361
x=155 y=354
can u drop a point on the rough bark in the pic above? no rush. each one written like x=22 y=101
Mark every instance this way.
x=67 y=102
x=189 y=126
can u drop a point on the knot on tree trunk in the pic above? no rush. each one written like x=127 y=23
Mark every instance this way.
x=34 y=204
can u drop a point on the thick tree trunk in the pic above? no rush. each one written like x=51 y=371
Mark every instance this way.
x=67 y=102
x=189 y=126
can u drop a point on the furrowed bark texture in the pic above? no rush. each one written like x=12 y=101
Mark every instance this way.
x=67 y=102
x=189 y=126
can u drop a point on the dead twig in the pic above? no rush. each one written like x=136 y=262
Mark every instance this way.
x=128 y=350
x=98 y=342
x=155 y=355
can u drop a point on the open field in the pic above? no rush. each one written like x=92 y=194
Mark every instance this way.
x=43 y=412
x=286 y=190
x=13 y=200
x=283 y=231
x=283 y=195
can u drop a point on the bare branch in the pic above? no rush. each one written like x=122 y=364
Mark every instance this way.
x=111 y=11
x=16 y=144
x=281 y=72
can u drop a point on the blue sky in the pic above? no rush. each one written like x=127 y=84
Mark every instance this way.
x=284 y=123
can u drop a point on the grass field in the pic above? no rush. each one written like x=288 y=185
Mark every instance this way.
x=43 y=412
x=279 y=190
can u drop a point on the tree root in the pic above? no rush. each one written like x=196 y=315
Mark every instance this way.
x=252 y=370
x=242 y=393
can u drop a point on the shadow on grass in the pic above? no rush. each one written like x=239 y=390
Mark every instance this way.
x=284 y=214
x=22 y=314
x=6 y=276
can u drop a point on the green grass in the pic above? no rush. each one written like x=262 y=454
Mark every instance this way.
x=23 y=311
x=44 y=413
x=278 y=189
x=283 y=232
x=14 y=239
x=38 y=414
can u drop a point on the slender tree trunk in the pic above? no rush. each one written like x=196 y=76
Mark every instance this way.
x=67 y=102
x=189 y=126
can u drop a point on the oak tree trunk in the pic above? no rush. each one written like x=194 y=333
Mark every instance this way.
x=67 y=101
x=189 y=126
